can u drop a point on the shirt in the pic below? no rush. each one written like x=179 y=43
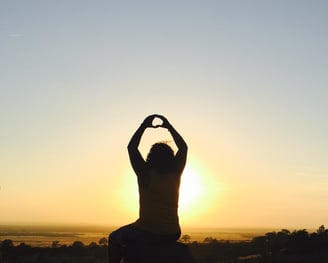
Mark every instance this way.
x=158 y=203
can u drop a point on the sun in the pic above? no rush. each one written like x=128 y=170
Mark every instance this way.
x=191 y=188
x=198 y=192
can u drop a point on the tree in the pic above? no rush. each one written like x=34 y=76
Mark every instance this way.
x=321 y=229
x=93 y=244
x=209 y=240
x=299 y=240
x=23 y=245
x=55 y=244
x=5 y=247
x=7 y=243
x=185 y=239
x=78 y=244
x=103 y=242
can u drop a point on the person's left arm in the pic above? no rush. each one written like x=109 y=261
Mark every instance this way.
x=181 y=155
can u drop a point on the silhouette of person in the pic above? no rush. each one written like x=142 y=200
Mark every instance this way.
x=158 y=183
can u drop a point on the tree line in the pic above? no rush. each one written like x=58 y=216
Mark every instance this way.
x=281 y=246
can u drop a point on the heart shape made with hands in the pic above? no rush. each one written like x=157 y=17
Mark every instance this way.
x=157 y=122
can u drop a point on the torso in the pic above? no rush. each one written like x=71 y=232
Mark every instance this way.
x=158 y=198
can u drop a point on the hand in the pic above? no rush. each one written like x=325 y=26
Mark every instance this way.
x=165 y=123
x=148 y=122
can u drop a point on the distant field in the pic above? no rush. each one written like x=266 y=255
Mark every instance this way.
x=231 y=234
x=45 y=235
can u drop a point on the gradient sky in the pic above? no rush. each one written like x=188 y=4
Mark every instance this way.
x=244 y=82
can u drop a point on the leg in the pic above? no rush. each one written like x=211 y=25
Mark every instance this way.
x=119 y=239
x=114 y=249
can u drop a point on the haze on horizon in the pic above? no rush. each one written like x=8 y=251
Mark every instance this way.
x=244 y=82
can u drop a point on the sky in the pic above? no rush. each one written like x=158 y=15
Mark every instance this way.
x=244 y=82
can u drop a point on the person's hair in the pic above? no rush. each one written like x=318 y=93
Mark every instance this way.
x=161 y=157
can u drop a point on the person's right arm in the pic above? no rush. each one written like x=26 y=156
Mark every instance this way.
x=136 y=159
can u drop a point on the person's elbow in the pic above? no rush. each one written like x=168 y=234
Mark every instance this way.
x=132 y=148
x=184 y=147
x=129 y=147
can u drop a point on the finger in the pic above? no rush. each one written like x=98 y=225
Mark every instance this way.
x=161 y=117
x=150 y=117
x=164 y=119
x=148 y=121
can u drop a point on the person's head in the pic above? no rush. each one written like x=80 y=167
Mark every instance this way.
x=160 y=157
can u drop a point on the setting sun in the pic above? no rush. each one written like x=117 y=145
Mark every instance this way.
x=191 y=188
x=198 y=192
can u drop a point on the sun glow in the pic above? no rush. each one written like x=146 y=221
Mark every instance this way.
x=191 y=188
x=198 y=193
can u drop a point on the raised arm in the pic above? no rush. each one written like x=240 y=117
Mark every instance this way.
x=181 y=155
x=137 y=162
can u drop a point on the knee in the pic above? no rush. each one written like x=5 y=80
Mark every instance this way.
x=112 y=237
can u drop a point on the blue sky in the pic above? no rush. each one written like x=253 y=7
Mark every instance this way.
x=244 y=81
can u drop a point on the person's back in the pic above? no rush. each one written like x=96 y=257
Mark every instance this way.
x=159 y=182
x=159 y=203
